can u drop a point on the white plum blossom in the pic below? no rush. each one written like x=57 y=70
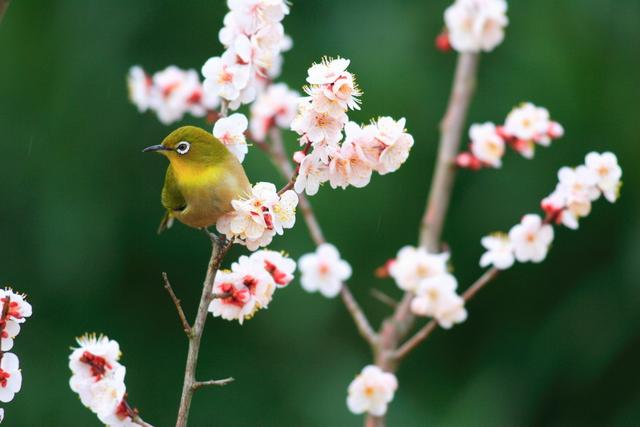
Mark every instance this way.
x=476 y=25
x=382 y=146
x=431 y=292
x=608 y=172
x=371 y=391
x=414 y=265
x=527 y=125
x=578 y=187
x=230 y=131
x=98 y=378
x=276 y=106
x=10 y=329
x=255 y=220
x=450 y=310
x=486 y=144
x=323 y=271
x=250 y=284
x=531 y=239
x=170 y=93
x=10 y=377
x=254 y=39
x=499 y=251
x=279 y=266
x=19 y=309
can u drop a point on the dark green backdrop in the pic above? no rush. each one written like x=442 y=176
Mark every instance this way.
x=551 y=344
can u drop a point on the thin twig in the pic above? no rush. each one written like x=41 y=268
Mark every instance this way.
x=6 y=303
x=221 y=296
x=384 y=298
x=279 y=157
x=427 y=329
x=183 y=319
x=219 y=383
x=218 y=252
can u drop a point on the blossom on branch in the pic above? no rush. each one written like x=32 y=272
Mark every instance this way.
x=170 y=93
x=526 y=126
x=499 y=251
x=475 y=25
x=323 y=271
x=254 y=39
x=10 y=377
x=230 y=131
x=98 y=378
x=256 y=219
x=371 y=391
x=276 y=106
x=250 y=284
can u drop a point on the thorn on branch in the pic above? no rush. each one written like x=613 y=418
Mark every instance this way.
x=183 y=319
x=384 y=298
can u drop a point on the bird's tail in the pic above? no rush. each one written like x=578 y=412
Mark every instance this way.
x=166 y=222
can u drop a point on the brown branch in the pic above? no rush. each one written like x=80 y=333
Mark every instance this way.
x=3 y=319
x=396 y=327
x=4 y=5
x=218 y=252
x=279 y=157
x=183 y=319
x=427 y=329
x=219 y=383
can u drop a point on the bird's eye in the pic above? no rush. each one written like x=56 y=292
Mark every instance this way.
x=183 y=147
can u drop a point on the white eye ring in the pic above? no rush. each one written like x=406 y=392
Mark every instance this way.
x=183 y=147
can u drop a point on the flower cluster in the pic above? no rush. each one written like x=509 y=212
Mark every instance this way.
x=170 y=93
x=98 y=378
x=571 y=200
x=475 y=25
x=254 y=39
x=276 y=106
x=255 y=220
x=382 y=146
x=250 y=284
x=525 y=127
x=371 y=391
x=15 y=309
x=577 y=187
x=323 y=271
x=230 y=131
x=427 y=276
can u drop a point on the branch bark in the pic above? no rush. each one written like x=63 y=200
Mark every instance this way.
x=396 y=327
x=190 y=384
x=183 y=319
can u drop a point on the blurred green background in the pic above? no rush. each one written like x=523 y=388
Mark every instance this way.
x=555 y=344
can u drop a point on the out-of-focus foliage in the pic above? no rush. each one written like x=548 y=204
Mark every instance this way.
x=550 y=344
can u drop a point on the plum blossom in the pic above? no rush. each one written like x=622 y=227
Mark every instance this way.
x=414 y=265
x=323 y=271
x=578 y=187
x=450 y=310
x=19 y=309
x=371 y=391
x=256 y=219
x=98 y=378
x=531 y=239
x=254 y=39
x=322 y=121
x=527 y=125
x=230 y=131
x=250 y=284
x=476 y=25
x=431 y=292
x=605 y=167
x=276 y=106
x=170 y=93
x=499 y=251
x=10 y=377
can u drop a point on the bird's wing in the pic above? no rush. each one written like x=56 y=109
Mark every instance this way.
x=172 y=200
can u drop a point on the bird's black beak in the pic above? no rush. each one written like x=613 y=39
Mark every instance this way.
x=159 y=147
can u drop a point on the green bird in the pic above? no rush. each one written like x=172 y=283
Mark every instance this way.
x=202 y=179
